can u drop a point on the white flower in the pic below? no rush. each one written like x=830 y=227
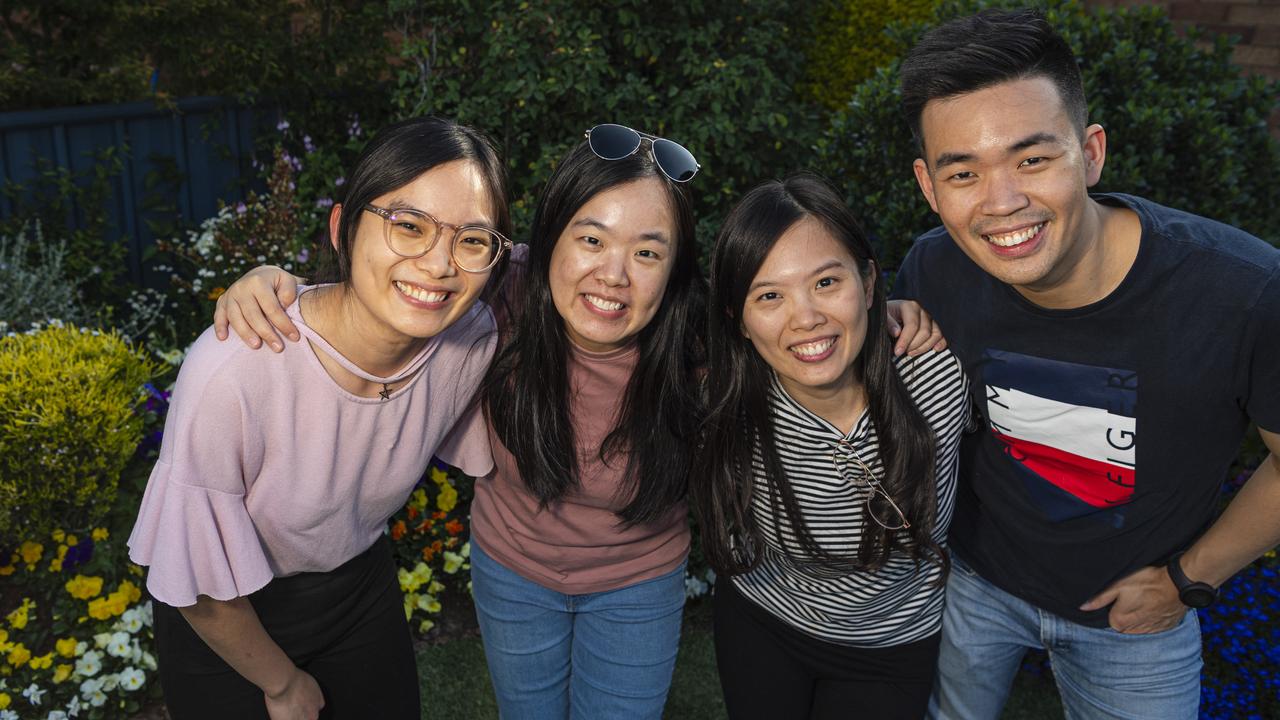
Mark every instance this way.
x=73 y=707
x=132 y=619
x=693 y=587
x=148 y=660
x=110 y=682
x=89 y=664
x=147 y=613
x=131 y=678
x=33 y=694
x=81 y=647
x=57 y=715
x=9 y=715
x=101 y=640
x=90 y=686
x=97 y=699
x=121 y=645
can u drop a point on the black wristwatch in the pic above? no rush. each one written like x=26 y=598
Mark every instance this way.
x=1192 y=594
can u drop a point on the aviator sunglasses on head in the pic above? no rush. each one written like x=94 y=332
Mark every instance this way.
x=614 y=142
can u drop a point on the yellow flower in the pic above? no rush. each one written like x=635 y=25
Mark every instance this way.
x=5 y=700
x=448 y=497
x=19 y=655
x=72 y=540
x=66 y=647
x=19 y=617
x=426 y=625
x=418 y=499
x=61 y=673
x=44 y=662
x=108 y=607
x=100 y=534
x=7 y=570
x=59 y=535
x=31 y=553
x=83 y=588
x=439 y=476
x=130 y=591
x=452 y=561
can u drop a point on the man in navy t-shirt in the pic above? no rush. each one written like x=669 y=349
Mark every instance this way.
x=1118 y=351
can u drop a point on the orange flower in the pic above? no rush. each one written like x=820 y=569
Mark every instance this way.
x=412 y=512
x=439 y=515
x=424 y=526
x=428 y=553
x=453 y=527
x=398 y=530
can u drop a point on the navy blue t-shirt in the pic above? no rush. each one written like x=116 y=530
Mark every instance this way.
x=1109 y=428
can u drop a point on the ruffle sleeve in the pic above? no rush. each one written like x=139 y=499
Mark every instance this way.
x=196 y=541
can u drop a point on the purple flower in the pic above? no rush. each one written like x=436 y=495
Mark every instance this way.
x=307 y=144
x=303 y=255
x=322 y=203
x=340 y=182
x=241 y=209
x=282 y=125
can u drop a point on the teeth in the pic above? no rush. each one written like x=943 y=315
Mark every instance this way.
x=1014 y=238
x=606 y=305
x=420 y=294
x=813 y=349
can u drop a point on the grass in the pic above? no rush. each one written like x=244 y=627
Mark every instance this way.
x=455 y=681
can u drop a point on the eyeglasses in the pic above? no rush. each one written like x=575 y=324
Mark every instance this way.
x=880 y=506
x=614 y=142
x=412 y=233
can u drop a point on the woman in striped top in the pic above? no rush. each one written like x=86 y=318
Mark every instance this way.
x=828 y=473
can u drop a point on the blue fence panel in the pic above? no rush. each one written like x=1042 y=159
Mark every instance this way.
x=177 y=163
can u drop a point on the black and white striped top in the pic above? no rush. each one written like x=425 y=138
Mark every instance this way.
x=897 y=604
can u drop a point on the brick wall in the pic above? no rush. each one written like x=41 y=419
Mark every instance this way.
x=1255 y=22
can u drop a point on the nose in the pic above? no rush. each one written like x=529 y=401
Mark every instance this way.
x=805 y=314
x=612 y=270
x=1003 y=194
x=438 y=262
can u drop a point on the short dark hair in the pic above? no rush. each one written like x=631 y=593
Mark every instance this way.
x=527 y=392
x=991 y=47
x=401 y=152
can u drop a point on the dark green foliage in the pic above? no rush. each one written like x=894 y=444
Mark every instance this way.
x=1183 y=127
x=77 y=52
x=714 y=75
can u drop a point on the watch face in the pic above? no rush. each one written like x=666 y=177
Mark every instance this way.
x=1198 y=597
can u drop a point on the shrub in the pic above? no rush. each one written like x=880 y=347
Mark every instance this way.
x=39 y=290
x=850 y=41
x=264 y=229
x=68 y=426
x=1184 y=128
x=718 y=77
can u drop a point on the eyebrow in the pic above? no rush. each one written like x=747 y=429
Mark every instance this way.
x=1040 y=138
x=818 y=271
x=653 y=235
x=401 y=204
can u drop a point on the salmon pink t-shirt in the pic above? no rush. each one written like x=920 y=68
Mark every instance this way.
x=578 y=544
x=268 y=468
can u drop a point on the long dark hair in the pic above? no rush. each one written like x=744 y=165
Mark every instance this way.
x=740 y=427
x=526 y=395
x=401 y=152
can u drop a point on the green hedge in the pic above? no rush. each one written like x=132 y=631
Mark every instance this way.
x=1184 y=127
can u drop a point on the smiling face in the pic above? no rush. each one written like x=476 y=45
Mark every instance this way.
x=806 y=312
x=611 y=263
x=1008 y=173
x=418 y=297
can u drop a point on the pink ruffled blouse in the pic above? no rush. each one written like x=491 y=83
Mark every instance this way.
x=268 y=468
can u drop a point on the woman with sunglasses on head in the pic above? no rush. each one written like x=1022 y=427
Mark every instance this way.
x=826 y=482
x=263 y=520
x=580 y=533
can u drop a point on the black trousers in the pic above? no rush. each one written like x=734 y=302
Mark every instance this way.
x=771 y=671
x=345 y=627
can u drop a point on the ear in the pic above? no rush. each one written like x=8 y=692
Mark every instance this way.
x=925 y=181
x=335 y=222
x=1095 y=153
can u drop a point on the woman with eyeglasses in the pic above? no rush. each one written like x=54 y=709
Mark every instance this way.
x=262 y=524
x=826 y=483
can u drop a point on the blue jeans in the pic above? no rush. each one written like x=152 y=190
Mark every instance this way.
x=1100 y=672
x=598 y=655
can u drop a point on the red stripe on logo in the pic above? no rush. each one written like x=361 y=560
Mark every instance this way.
x=1097 y=483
